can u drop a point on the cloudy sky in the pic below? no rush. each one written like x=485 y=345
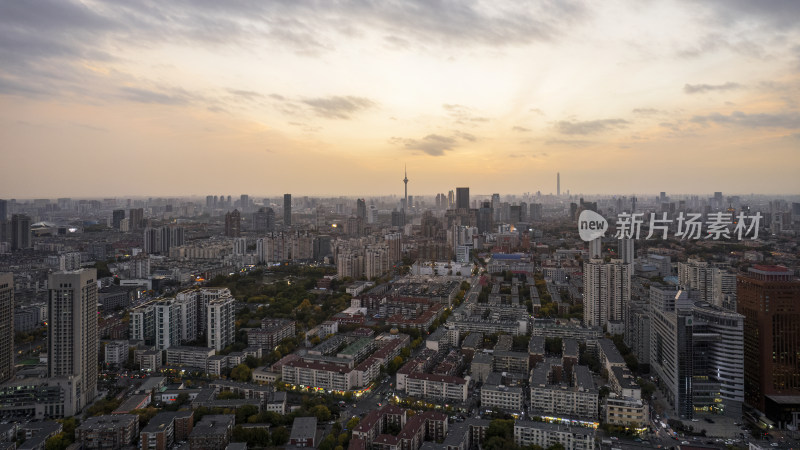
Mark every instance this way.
x=136 y=97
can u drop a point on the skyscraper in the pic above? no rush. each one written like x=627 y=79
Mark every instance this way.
x=6 y=326
x=287 y=210
x=558 y=184
x=606 y=291
x=626 y=250
x=264 y=220
x=496 y=207
x=136 y=216
x=220 y=322
x=161 y=239
x=596 y=248
x=3 y=221
x=361 y=209
x=116 y=217
x=233 y=223
x=462 y=198
x=72 y=331
x=769 y=299
x=696 y=352
x=20 y=232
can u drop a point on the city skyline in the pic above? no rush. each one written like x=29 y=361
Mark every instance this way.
x=316 y=99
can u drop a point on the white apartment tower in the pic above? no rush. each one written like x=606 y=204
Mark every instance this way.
x=596 y=248
x=72 y=331
x=220 y=323
x=6 y=326
x=606 y=291
x=627 y=252
x=167 y=325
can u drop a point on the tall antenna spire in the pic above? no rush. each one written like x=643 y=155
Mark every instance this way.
x=405 y=201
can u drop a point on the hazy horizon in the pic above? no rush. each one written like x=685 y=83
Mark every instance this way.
x=135 y=99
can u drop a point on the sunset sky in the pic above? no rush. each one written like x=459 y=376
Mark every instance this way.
x=184 y=97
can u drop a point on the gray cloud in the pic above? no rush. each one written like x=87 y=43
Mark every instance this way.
x=781 y=14
x=589 y=126
x=703 y=88
x=432 y=144
x=788 y=120
x=520 y=129
x=43 y=44
x=463 y=115
x=647 y=111
x=336 y=107
x=465 y=136
x=435 y=144
x=178 y=96
x=569 y=142
x=249 y=95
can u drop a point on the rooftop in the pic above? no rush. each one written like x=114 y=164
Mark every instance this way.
x=304 y=428
x=108 y=421
x=213 y=424
x=161 y=421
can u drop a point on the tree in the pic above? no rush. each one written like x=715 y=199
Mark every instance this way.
x=328 y=443
x=501 y=428
x=322 y=413
x=241 y=373
x=57 y=442
x=352 y=423
x=229 y=395
x=251 y=361
x=243 y=413
x=280 y=435
x=145 y=415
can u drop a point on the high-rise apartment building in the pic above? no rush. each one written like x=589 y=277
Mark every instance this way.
x=496 y=208
x=361 y=209
x=167 y=324
x=72 y=331
x=116 y=217
x=535 y=212
x=287 y=210
x=626 y=251
x=712 y=283
x=769 y=299
x=20 y=232
x=6 y=326
x=220 y=325
x=264 y=220
x=136 y=216
x=161 y=239
x=233 y=224
x=606 y=291
x=595 y=248
x=462 y=198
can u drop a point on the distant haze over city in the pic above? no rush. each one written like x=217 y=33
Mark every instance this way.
x=175 y=98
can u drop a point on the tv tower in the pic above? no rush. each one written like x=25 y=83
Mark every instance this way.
x=405 y=202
